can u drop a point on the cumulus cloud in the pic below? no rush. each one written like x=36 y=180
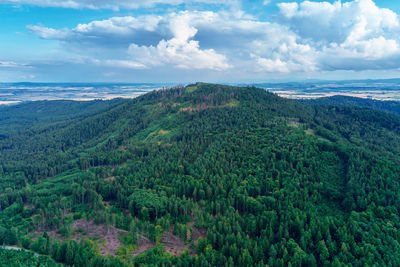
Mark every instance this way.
x=108 y=4
x=180 y=51
x=189 y=40
x=304 y=37
x=116 y=31
x=48 y=33
x=148 y=40
x=323 y=21
x=343 y=33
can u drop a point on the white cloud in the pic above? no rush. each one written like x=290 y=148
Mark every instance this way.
x=180 y=51
x=108 y=4
x=48 y=33
x=289 y=10
x=30 y=76
x=147 y=41
x=120 y=25
x=343 y=33
x=276 y=65
x=305 y=37
x=122 y=64
x=12 y=64
x=326 y=22
x=182 y=54
x=115 y=31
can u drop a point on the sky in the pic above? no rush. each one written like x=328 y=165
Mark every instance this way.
x=229 y=41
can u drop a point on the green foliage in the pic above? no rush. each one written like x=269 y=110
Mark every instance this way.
x=183 y=231
x=147 y=204
x=339 y=100
x=17 y=258
x=262 y=191
x=154 y=256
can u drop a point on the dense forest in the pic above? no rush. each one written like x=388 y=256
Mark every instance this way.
x=202 y=175
x=19 y=258
x=340 y=100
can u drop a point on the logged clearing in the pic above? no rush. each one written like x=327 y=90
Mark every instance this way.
x=162 y=132
x=172 y=243
x=204 y=106
x=109 y=234
x=107 y=237
x=143 y=245
x=197 y=232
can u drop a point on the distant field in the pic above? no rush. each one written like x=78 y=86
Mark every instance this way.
x=12 y=93
x=379 y=90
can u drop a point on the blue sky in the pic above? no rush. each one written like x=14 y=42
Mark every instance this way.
x=197 y=40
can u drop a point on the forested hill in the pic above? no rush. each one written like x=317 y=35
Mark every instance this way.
x=389 y=106
x=45 y=112
x=205 y=175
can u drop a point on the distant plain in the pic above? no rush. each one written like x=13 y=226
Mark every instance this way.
x=12 y=93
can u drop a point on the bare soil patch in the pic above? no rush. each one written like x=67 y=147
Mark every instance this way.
x=83 y=229
x=197 y=232
x=123 y=148
x=162 y=132
x=111 y=178
x=110 y=235
x=143 y=245
x=172 y=243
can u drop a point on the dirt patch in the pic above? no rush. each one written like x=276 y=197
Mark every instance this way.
x=151 y=134
x=162 y=132
x=112 y=178
x=189 y=109
x=143 y=245
x=156 y=134
x=197 y=108
x=197 y=233
x=295 y=124
x=169 y=241
x=233 y=103
x=203 y=106
x=109 y=234
x=106 y=204
x=108 y=240
x=172 y=243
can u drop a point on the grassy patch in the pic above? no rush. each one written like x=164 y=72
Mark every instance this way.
x=191 y=89
x=231 y=104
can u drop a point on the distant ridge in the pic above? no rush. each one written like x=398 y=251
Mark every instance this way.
x=388 y=105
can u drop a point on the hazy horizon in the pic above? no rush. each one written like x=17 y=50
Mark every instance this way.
x=12 y=93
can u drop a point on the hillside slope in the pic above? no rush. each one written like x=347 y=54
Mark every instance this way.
x=208 y=175
x=388 y=106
